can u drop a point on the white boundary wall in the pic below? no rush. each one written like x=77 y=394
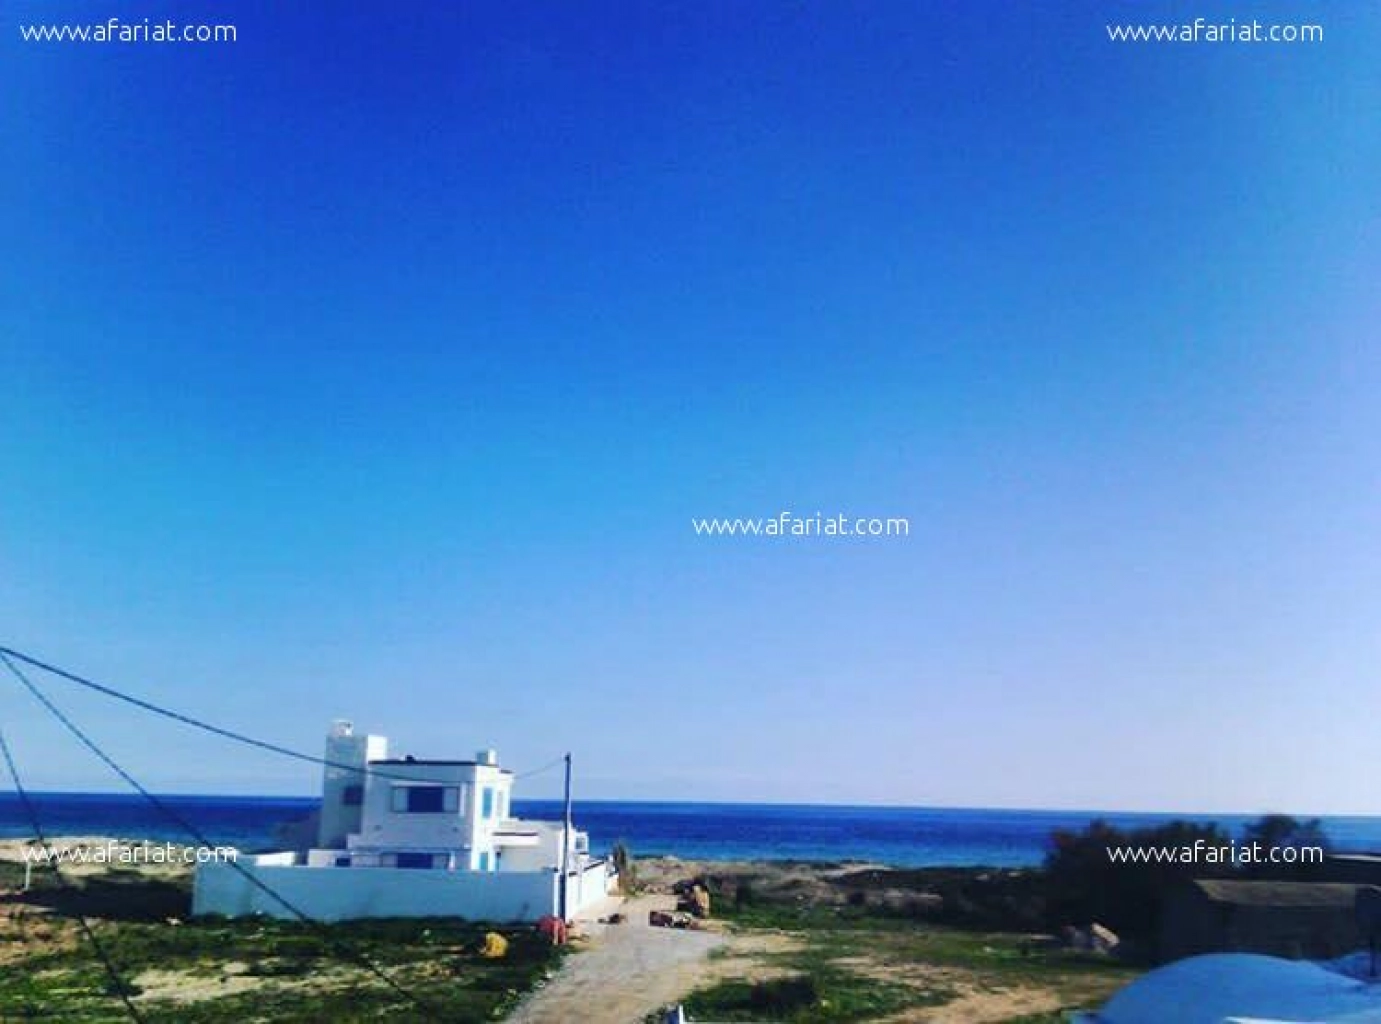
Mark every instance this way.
x=338 y=894
x=588 y=886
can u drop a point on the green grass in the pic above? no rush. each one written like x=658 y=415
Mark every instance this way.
x=816 y=991
x=301 y=973
x=854 y=963
x=825 y=995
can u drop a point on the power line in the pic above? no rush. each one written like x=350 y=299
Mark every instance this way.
x=229 y=734
x=118 y=986
x=538 y=771
x=204 y=841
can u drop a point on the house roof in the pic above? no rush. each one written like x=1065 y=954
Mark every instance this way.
x=426 y=762
x=1241 y=892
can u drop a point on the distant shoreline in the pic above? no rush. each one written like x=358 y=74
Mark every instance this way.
x=723 y=833
x=881 y=808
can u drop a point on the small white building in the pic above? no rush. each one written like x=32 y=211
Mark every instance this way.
x=407 y=837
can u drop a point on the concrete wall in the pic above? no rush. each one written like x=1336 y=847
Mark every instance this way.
x=465 y=827
x=286 y=858
x=547 y=851
x=528 y=858
x=1295 y=932
x=589 y=886
x=336 y=894
x=384 y=827
x=343 y=747
x=1192 y=924
x=1358 y=869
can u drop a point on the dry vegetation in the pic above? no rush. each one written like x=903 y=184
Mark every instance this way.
x=216 y=970
x=791 y=942
x=858 y=942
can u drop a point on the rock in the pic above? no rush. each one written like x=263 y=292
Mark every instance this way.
x=1103 y=939
x=695 y=900
x=1096 y=938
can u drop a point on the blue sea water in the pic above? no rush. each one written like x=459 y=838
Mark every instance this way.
x=902 y=836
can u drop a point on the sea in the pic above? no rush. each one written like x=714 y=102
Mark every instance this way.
x=898 y=836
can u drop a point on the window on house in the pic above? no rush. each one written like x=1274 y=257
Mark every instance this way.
x=352 y=796
x=413 y=860
x=484 y=860
x=425 y=799
x=487 y=802
x=342 y=862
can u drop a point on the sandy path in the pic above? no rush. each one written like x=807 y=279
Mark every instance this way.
x=628 y=971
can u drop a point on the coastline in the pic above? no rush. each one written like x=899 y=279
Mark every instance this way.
x=824 y=834
x=875 y=942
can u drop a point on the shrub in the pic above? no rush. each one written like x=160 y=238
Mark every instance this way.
x=1282 y=831
x=625 y=866
x=1085 y=885
x=782 y=996
x=743 y=894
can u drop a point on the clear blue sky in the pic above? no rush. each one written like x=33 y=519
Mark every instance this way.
x=374 y=367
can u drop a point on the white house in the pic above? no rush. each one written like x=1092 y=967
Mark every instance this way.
x=407 y=837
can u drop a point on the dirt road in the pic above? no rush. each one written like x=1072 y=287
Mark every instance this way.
x=628 y=971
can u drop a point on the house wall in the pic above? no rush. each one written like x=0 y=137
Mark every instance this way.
x=382 y=826
x=338 y=819
x=501 y=784
x=546 y=853
x=1355 y=869
x=285 y=858
x=1294 y=932
x=336 y=894
x=593 y=883
x=466 y=827
x=1193 y=924
x=528 y=858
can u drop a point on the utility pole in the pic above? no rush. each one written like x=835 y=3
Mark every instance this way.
x=566 y=840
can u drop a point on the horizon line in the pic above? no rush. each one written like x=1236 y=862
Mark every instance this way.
x=1093 y=812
